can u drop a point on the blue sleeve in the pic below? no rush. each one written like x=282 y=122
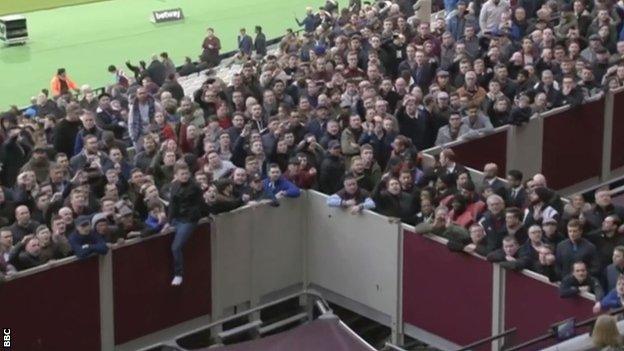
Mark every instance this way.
x=334 y=201
x=368 y=204
x=77 y=145
x=610 y=301
x=77 y=248
x=291 y=189
x=99 y=245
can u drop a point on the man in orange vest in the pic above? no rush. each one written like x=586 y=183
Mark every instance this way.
x=61 y=84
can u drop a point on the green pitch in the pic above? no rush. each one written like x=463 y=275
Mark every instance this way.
x=21 y=6
x=85 y=39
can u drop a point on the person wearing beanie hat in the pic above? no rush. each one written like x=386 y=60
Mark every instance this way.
x=85 y=241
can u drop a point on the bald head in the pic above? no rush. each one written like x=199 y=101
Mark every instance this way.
x=538 y=181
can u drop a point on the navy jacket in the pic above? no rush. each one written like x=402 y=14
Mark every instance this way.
x=95 y=242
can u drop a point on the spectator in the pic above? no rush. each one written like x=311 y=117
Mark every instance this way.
x=443 y=227
x=603 y=207
x=351 y=196
x=606 y=239
x=53 y=246
x=27 y=253
x=508 y=256
x=580 y=282
x=455 y=130
x=494 y=222
x=545 y=264
x=606 y=335
x=477 y=243
x=332 y=168
x=23 y=225
x=576 y=248
x=84 y=241
x=260 y=45
x=245 y=43
x=278 y=185
x=538 y=209
x=211 y=46
x=615 y=269
x=516 y=193
x=613 y=299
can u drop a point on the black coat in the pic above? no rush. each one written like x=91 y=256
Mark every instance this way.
x=185 y=201
x=64 y=136
x=157 y=72
x=13 y=155
x=331 y=173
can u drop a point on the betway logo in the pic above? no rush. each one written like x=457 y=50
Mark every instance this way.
x=167 y=15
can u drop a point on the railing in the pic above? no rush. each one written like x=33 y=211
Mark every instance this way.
x=574 y=147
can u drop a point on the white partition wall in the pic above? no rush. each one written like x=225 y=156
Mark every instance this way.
x=354 y=259
x=231 y=260
x=277 y=251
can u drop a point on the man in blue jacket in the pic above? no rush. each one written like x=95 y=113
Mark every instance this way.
x=245 y=43
x=85 y=241
x=613 y=299
x=278 y=185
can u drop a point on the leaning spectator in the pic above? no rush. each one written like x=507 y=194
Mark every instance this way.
x=455 y=130
x=580 y=282
x=443 y=227
x=477 y=243
x=351 y=196
x=613 y=299
x=52 y=246
x=508 y=256
x=545 y=264
x=84 y=241
x=278 y=185
x=27 y=253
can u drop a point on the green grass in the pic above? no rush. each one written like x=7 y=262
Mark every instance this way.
x=21 y=6
x=85 y=39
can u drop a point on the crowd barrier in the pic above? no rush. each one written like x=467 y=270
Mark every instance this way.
x=109 y=302
x=574 y=147
x=352 y=260
x=144 y=301
x=532 y=305
x=49 y=307
x=617 y=132
x=371 y=264
x=438 y=285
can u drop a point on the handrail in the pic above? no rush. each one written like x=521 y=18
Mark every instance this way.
x=551 y=334
x=488 y=339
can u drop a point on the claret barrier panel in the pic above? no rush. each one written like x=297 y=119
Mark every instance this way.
x=368 y=263
x=576 y=148
x=617 y=132
x=444 y=293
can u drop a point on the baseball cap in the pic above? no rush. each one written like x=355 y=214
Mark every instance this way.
x=82 y=220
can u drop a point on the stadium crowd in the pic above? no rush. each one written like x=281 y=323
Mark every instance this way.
x=345 y=108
